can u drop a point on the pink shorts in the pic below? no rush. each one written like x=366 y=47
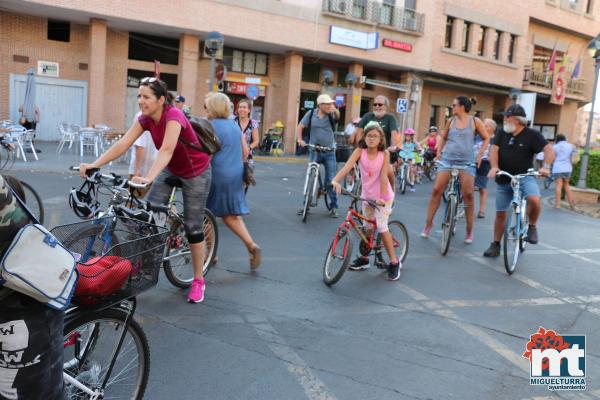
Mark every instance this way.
x=381 y=214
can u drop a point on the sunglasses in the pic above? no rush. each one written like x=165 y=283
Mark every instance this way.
x=511 y=142
x=378 y=104
x=455 y=105
x=149 y=79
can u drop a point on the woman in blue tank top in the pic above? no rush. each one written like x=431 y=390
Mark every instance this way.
x=455 y=146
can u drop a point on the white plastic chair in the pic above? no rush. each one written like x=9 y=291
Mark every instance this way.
x=15 y=136
x=67 y=135
x=89 y=137
x=28 y=137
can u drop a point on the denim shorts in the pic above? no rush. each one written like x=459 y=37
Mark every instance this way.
x=446 y=166
x=504 y=192
x=562 y=175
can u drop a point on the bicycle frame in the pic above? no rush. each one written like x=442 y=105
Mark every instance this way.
x=317 y=167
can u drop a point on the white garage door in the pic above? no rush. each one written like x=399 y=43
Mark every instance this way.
x=58 y=99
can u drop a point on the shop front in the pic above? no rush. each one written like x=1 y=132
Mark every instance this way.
x=238 y=86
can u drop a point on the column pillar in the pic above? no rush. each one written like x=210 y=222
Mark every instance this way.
x=504 y=43
x=457 y=30
x=354 y=94
x=488 y=49
x=188 y=69
x=474 y=38
x=97 y=68
x=292 y=79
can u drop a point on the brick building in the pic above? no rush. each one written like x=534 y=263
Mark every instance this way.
x=90 y=55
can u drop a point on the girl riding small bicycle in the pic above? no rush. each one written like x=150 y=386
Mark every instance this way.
x=408 y=153
x=372 y=159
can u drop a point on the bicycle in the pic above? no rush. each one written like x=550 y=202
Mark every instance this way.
x=403 y=174
x=314 y=185
x=516 y=226
x=352 y=182
x=177 y=263
x=429 y=165
x=340 y=250
x=454 y=202
x=106 y=352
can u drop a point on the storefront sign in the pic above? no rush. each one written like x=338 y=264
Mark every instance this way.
x=47 y=68
x=351 y=38
x=309 y=104
x=252 y=81
x=397 y=45
x=242 y=88
x=340 y=100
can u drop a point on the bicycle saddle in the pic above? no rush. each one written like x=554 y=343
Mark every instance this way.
x=173 y=181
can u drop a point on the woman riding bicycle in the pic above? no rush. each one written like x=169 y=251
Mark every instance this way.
x=456 y=150
x=169 y=127
x=430 y=142
x=409 y=147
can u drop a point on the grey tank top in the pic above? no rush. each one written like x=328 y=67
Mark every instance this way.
x=459 y=144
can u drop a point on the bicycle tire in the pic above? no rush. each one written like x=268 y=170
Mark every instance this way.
x=524 y=226
x=33 y=201
x=323 y=190
x=182 y=275
x=400 y=239
x=309 y=194
x=344 y=244
x=94 y=350
x=448 y=223
x=7 y=157
x=510 y=242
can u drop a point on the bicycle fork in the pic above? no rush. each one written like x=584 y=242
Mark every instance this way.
x=313 y=189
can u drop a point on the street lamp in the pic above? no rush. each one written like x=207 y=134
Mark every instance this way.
x=213 y=42
x=594 y=51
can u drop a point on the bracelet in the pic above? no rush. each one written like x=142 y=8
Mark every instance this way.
x=546 y=165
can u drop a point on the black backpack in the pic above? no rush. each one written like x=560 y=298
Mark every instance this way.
x=306 y=130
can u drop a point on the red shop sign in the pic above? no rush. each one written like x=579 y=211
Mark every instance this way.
x=397 y=45
x=241 y=88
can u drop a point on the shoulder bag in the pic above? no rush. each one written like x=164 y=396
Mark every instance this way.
x=209 y=142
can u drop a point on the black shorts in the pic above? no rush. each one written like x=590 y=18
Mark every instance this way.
x=393 y=157
x=484 y=168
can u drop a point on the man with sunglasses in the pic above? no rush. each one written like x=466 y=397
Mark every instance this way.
x=388 y=123
x=513 y=150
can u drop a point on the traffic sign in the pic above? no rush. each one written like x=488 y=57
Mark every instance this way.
x=401 y=105
x=252 y=92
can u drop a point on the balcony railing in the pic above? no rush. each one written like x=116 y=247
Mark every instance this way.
x=543 y=79
x=376 y=13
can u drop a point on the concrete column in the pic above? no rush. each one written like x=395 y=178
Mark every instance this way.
x=188 y=69
x=473 y=38
x=457 y=29
x=488 y=51
x=292 y=78
x=354 y=95
x=97 y=68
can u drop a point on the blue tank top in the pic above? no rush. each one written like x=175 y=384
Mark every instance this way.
x=459 y=143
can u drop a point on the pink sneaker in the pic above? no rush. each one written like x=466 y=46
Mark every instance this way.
x=196 y=294
x=425 y=232
x=469 y=238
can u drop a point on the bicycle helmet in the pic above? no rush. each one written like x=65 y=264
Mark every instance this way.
x=409 y=131
x=433 y=128
x=83 y=202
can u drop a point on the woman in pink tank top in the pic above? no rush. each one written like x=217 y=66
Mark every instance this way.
x=374 y=161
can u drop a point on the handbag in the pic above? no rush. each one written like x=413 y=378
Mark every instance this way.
x=205 y=132
x=248 y=177
x=37 y=265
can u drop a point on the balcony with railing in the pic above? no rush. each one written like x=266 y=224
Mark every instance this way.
x=377 y=14
x=543 y=80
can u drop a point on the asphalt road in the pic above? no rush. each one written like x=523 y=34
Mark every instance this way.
x=452 y=327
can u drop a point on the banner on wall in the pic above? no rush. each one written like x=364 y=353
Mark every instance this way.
x=559 y=87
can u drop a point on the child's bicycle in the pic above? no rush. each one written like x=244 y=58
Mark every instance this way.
x=340 y=251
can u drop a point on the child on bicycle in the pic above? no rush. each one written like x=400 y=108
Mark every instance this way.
x=409 y=147
x=374 y=161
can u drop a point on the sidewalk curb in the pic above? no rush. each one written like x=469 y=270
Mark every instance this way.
x=287 y=160
x=550 y=202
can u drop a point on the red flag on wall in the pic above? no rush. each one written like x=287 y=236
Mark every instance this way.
x=552 y=62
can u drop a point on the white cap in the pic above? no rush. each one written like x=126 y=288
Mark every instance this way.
x=324 y=99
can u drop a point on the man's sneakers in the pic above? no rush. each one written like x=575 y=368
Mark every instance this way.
x=532 y=235
x=493 y=250
x=334 y=212
x=359 y=264
x=394 y=271
x=196 y=294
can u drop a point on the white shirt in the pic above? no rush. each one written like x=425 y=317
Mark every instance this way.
x=349 y=130
x=562 y=163
x=150 y=152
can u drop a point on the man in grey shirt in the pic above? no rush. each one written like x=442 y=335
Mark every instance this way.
x=321 y=124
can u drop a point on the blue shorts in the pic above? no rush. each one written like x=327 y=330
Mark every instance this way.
x=446 y=166
x=504 y=192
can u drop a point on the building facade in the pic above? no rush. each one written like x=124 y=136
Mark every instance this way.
x=90 y=56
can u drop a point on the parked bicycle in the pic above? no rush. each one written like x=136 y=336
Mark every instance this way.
x=177 y=264
x=514 y=238
x=340 y=251
x=314 y=184
x=454 y=204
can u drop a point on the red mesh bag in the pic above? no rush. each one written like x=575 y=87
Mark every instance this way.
x=101 y=277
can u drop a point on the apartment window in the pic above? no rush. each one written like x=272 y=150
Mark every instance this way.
x=511 y=48
x=433 y=115
x=465 y=36
x=245 y=61
x=449 y=30
x=481 y=40
x=386 y=14
x=311 y=72
x=59 y=30
x=410 y=4
x=149 y=48
x=359 y=9
x=589 y=6
x=341 y=76
x=496 y=47
x=573 y=4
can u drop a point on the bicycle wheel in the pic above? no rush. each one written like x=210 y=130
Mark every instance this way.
x=7 y=157
x=33 y=201
x=524 y=225
x=91 y=339
x=402 y=180
x=323 y=192
x=510 y=240
x=308 y=195
x=338 y=257
x=399 y=239
x=448 y=223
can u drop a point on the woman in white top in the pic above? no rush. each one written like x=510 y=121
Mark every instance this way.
x=562 y=168
x=143 y=154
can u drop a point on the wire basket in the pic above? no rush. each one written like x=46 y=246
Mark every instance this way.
x=118 y=258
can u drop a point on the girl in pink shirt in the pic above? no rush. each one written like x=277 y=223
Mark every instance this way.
x=373 y=158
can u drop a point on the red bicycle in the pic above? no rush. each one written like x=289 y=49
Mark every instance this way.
x=340 y=250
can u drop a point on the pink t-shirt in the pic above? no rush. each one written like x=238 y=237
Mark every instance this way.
x=370 y=171
x=186 y=161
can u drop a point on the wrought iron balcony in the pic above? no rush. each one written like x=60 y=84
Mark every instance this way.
x=376 y=13
x=543 y=79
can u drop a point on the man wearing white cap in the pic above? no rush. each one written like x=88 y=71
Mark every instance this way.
x=317 y=127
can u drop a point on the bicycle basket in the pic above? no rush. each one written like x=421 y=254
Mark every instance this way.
x=119 y=258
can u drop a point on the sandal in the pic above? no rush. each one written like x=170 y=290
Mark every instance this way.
x=255 y=256
x=481 y=215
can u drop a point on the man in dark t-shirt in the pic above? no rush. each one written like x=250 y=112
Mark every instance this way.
x=386 y=120
x=512 y=151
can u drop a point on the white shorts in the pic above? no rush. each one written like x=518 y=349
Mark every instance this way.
x=381 y=214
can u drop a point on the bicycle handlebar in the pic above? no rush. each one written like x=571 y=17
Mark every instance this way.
x=372 y=203
x=94 y=176
x=518 y=176
x=320 y=148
